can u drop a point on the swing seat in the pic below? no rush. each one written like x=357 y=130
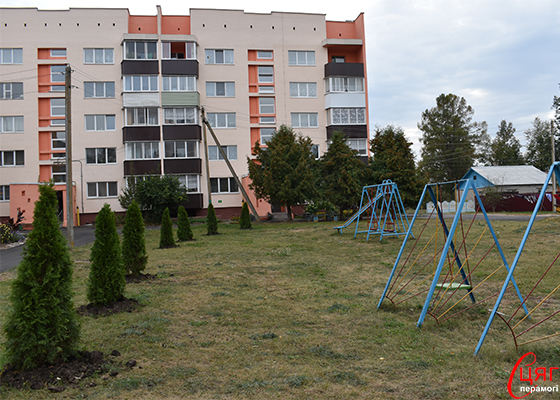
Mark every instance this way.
x=453 y=285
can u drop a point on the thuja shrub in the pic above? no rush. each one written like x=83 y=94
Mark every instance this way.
x=134 y=253
x=184 y=231
x=245 y=221
x=166 y=238
x=212 y=221
x=107 y=274
x=41 y=326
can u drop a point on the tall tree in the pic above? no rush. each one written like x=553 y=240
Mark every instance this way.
x=283 y=172
x=505 y=148
x=41 y=327
x=392 y=158
x=134 y=253
x=539 y=145
x=449 y=138
x=341 y=174
x=166 y=238
x=211 y=221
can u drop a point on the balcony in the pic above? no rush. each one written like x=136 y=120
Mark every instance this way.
x=179 y=67
x=180 y=99
x=142 y=167
x=344 y=69
x=182 y=132
x=141 y=133
x=139 y=67
x=351 y=131
x=182 y=166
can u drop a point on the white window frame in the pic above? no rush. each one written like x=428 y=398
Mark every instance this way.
x=17 y=158
x=215 y=155
x=269 y=134
x=183 y=83
x=11 y=55
x=266 y=73
x=99 y=90
x=360 y=145
x=227 y=88
x=58 y=107
x=303 y=90
x=96 y=120
x=231 y=183
x=219 y=56
x=11 y=124
x=62 y=53
x=58 y=73
x=140 y=83
x=179 y=116
x=190 y=51
x=342 y=84
x=101 y=153
x=7 y=91
x=267 y=105
x=140 y=45
x=170 y=148
x=109 y=188
x=301 y=58
x=267 y=120
x=149 y=116
x=305 y=120
x=222 y=120
x=191 y=182
x=106 y=55
x=58 y=144
x=142 y=151
x=58 y=176
x=316 y=151
x=265 y=55
x=4 y=192
x=266 y=89
x=347 y=116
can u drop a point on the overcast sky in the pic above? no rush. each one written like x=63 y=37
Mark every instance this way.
x=502 y=56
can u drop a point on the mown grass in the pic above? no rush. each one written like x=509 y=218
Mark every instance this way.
x=289 y=311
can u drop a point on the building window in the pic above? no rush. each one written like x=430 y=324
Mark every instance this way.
x=58 y=52
x=11 y=124
x=58 y=122
x=101 y=155
x=179 y=115
x=301 y=57
x=178 y=51
x=266 y=105
x=138 y=83
x=338 y=59
x=141 y=150
x=58 y=88
x=223 y=185
x=140 y=50
x=179 y=83
x=11 y=56
x=58 y=73
x=266 y=89
x=58 y=142
x=99 y=56
x=11 y=90
x=11 y=158
x=303 y=89
x=315 y=151
x=214 y=56
x=220 y=89
x=58 y=173
x=58 y=107
x=360 y=145
x=5 y=193
x=191 y=182
x=347 y=116
x=215 y=155
x=267 y=120
x=267 y=134
x=101 y=189
x=264 y=54
x=345 y=84
x=99 y=90
x=100 y=122
x=141 y=116
x=266 y=75
x=305 y=120
x=181 y=149
x=222 y=120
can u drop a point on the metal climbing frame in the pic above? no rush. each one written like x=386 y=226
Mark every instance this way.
x=383 y=206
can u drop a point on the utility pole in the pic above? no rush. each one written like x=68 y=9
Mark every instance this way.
x=68 y=134
x=553 y=161
x=206 y=156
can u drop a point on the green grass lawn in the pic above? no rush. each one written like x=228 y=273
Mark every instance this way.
x=289 y=311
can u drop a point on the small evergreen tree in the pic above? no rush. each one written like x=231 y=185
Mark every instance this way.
x=166 y=239
x=41 y=326
x=245 y=220
x=134 y=253
x=184 y=231
x=106 y=276
x=212 y=221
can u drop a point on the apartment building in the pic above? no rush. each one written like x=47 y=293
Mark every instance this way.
x=140 y=84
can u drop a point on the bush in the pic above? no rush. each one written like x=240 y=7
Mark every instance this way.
x=106 y=276
x=166 y=239
x=41 y=327
x=6 y=234
x=134 y=242
x=212 y=221
x=245 y=221
x=184 y=231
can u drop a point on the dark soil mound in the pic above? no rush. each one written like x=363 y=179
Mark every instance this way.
x=140 y=278
x=124 y=305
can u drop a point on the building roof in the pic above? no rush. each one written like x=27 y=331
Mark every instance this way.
x=510 y=175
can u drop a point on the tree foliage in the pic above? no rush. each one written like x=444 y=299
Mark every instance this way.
x=392 y=158
x=245 y=220
x=539 y=145
x=449 y=139
x=154 y=194
x=166 y=239
x=107 y=274
x=283 y=172
x=41 y=326
x=134 y=253
x=341 y=175
x=505 y=149
x=211 y=221
x=184 y=231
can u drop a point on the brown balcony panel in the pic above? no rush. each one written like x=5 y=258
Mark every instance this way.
x=182 y=132
x=179 y=67
x=141 y=133
x=142 y=167
x=182 y=166
x=351 y=131
x=344 y=69
x=140 y=67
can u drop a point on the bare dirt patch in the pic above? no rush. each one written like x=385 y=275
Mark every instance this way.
x=124 y=305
